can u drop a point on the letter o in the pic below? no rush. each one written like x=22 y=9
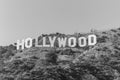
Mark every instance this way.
x=70 y=42
x=82 y=42
x=28 y=42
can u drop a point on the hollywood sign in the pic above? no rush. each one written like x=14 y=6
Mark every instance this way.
x=90 y=40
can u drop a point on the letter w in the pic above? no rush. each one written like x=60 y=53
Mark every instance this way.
x=62 y=42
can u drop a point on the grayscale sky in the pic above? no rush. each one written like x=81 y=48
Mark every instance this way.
x=20 y=19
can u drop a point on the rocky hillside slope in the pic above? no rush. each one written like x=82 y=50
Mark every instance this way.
x=99 y=62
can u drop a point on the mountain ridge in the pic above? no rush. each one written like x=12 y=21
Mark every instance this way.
x=98 y=62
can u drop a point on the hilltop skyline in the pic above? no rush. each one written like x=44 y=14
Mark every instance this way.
x=28 y=18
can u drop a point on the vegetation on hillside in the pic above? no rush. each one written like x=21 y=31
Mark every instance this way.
x=99 y=62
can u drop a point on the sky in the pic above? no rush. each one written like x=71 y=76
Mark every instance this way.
x=20 y=19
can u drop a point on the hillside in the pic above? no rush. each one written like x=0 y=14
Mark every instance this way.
x=99 y=62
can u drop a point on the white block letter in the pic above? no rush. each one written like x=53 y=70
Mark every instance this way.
x=72 y=42
x=82 y=41
x=62 y=42
x=52 y=41
x=20 y=44
x=28 y=42
x=44 y=42
x=92 y=39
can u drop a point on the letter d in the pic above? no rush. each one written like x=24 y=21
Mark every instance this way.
x=92 y=40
